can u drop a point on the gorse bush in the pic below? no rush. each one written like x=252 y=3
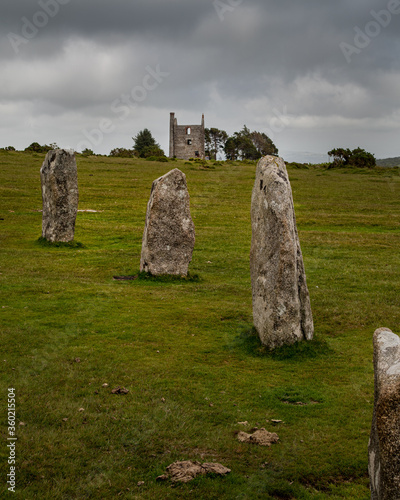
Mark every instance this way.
x=357 y=158
x=122 y=153
x=35 y=147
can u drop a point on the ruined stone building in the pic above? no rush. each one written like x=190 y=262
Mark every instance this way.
x=186 y=141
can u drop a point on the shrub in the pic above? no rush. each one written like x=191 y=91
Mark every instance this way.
x=157 y=158
x=35 y=147
x=87 y=152
x=152 y=151
x=294 y=164
x=122 y=153
x=357 y=158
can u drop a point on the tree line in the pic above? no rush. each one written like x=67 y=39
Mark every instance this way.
x=242 y=145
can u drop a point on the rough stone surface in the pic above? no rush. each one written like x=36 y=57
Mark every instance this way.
x=261 y=437
x=168 y=238
x=187 y=470
x=186 y=141
x=59 y=178
x=281 y=303
x=384 y=444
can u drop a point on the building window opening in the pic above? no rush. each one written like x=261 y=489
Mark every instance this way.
x=189 y=142
x=197 y=154
x=188 y=131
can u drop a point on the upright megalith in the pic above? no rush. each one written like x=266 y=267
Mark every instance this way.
x=168 y=238
x=59 y=178
x=281 y=303
x=384 y=444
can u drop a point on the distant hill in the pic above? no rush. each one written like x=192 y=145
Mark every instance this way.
x=305 y=157
x=389 y=162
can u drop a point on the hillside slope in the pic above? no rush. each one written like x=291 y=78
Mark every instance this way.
x=389 y=162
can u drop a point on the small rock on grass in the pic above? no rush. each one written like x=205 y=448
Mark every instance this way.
x=119 y=390
x=261 y=437
x=187 y=470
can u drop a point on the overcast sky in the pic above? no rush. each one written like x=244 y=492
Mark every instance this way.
x=312 y=74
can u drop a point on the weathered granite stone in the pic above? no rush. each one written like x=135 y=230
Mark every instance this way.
x=384 y=444
x=281 y=303
x=59 y=178
x=169 y=236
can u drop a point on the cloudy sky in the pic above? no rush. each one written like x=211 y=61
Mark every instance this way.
x=312 y=74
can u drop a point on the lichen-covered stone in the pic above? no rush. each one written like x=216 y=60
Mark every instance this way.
x=59 y=179
x=281 y=303
x=169 y=235
x=384 y=444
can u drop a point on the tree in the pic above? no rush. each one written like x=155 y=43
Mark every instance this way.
x=247 y=145
x=214 y=141
x=363 y=159
x=357 y=158
x=146 y=145
x=230 y=148
x=340 y=156
x=263 y=144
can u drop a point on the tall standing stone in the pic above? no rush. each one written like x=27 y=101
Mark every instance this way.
x=168 y=238
x=281 y=303
x=384 y=444
x=59 y=178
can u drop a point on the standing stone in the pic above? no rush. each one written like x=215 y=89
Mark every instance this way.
x=59 y=177
x=384 y=444
x=168 y=238
x=281 y=303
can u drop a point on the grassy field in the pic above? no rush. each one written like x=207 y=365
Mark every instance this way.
x=186 y=350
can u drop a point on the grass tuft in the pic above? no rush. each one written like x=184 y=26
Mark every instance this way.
x=249 y=341
x=59 y=244
x=296 y=395
x=166 y=278
x=302 y=350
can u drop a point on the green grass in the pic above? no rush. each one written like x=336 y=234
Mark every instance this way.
x=185 y=349
x=167 y=278
x=59 y=244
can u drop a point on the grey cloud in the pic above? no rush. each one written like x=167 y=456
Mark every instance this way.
x=265 y=52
